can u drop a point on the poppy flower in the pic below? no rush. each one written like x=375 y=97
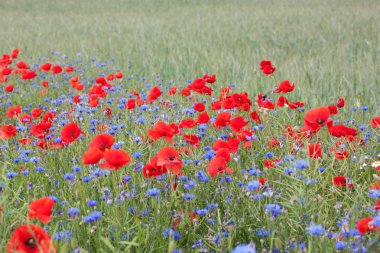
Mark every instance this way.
x=366 y=225
x=224 y=153
x=102 y=142
x=316 y=118
x=115 y=159
x=187 y=123
x=217 y=166
x=28 y=75
x=41 y=209
x=25 y=119
x=266 y=67
x=15 y=53
x=30 y=239
x=342 y=181
x=203 y=118
x=216 y=105
x=282 y=101
x=222 y=120
x=199 y=107
x=22 y=65
x=153 y=94
x=36 y=112
x=92 y=156
x=172 y=91
x=7 y=131
x=46 y=67
x=340 y=155
x=255 y=117
x=163 y=130
x=232 y=145
x=168 y=157
x=9 y=88
x=152 y=169
x=210 y=79
x=192 y=139
x=199 y=86
x=333 y=109
x=375 y=122
x=238 y=123
x=264 y=102
x=340 y=103
x=119 y=75
x=25 y=141
x=285 y=87
x=70 y=132
x=40 y=130
x=13 y=111
x=341 y=130
x=131 y=103
x=56 y=69
x=69 y=69
x=185 y=92
x=315 y=150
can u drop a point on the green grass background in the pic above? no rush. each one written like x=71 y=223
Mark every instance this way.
x=328 y=48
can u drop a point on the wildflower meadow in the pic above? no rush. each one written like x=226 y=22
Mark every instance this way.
x=189 y=126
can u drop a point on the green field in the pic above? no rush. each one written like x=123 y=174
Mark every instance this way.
x=329 y=48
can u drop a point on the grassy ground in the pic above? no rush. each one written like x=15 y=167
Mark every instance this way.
x=325 y=47
x=329 y=49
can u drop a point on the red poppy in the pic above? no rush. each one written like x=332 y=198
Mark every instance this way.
x=232 y=145
x=152 y=169
x=224 y=153
x=36 y=112
x=222 y=120
x=92 y=156
x=168 y=157
x=13 y=111
x=341 y=130
x=262 y=101
x=255 y=117
x=8 y=131
x=187 y=123
x=285 y=87
x=41 y=209
x=40 y=130
x=340 y=103
x=199 y=86
x=172 y=91
x=25 y=141
x=341 y=181
x=203 y=118
x=315 y=150
x=22 y=65
x=15 y=53
x=216 y=106
x=119 y=75
x=131 y=103
x=192 y=139
x=70 y=132
x=46 y=67
x=25 y=119
x=333 y=109
x=154 y=93
x=218 y=165
x=375 y=122
x=56 y=69
x=273 y=143
x=102 y=142
x=163 y=130
x=316 y=118
x=238 y=123
x=282 y=101
x=210 y=79
x=69 y=69
x=8 y=88
x=341 y=154
x=266 y=67
x=199 y=107
x=28 y=75
x=30 y=239
x=366 y=225
x=115 y=159
x=185 y=92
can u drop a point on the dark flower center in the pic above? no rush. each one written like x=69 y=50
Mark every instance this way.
x=220 y=169
x=171 y=158
x=321 y=121
x=31 y=243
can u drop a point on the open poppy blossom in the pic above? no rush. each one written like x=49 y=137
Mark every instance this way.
x=315 y=150
x=342 y=181
x=115 y=159
x=238 y=123
x=30 y=239
x=366 y=225
x=316 y=118
x=266 y=67
x=70 y=132
x=168 y=157
x=375 y=122
x=152 y=169
x=217 y=166
x=341 y=130
x=92 y=156
x=222 y=119
x=102 y=142
x=163 y=130
x=41 y=209
x=285 y=87
x=192 y=139
x=8 y=131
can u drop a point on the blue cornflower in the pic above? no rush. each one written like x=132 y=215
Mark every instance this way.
x=92 y=203
x=315 y=230
x=69 y=176
x=301 y=164
x=72 y=212
x=188 y=196
x=153 y=192
x=253 y=185
x=245 y=248
x=11 y=174
x=92 y=217
x=274 y=209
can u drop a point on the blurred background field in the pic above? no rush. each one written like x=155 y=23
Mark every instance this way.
x=330 y=49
